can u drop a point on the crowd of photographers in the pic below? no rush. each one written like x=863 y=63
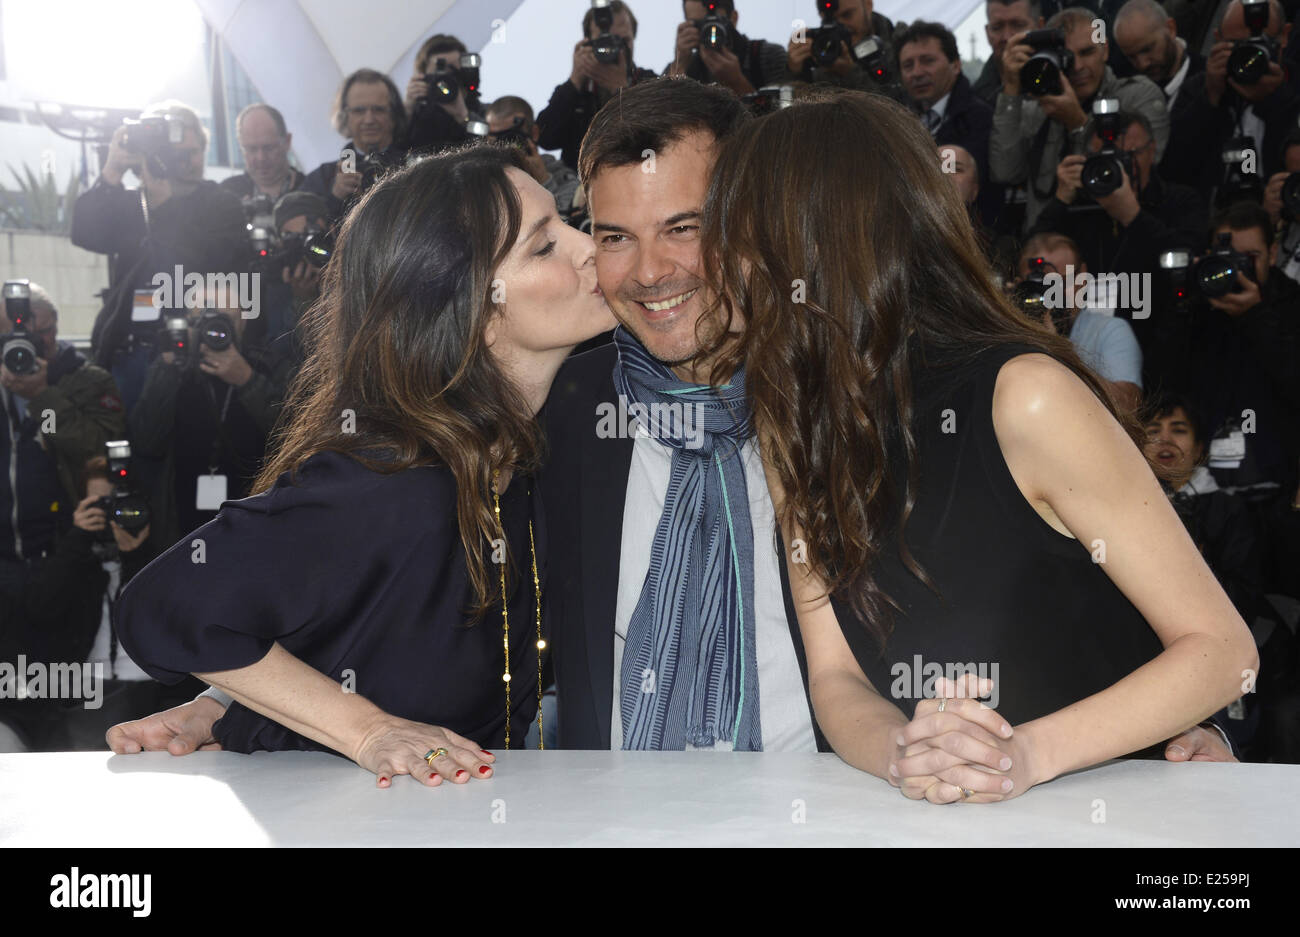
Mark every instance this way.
x=1127 y=166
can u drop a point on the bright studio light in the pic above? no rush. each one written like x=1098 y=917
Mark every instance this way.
x=94 y=54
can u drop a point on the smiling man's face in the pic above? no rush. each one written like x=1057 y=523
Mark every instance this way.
x=647 y=230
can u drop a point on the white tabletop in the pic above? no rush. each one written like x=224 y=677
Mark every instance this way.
x=558 y=798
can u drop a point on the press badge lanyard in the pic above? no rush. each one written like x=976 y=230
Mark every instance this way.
x=211 y=488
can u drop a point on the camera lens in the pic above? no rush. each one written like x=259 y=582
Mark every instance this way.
x=1102 y=175
x=131 y=511
x=1041 y=75
x=1291 y=197
x=20 y=356
x=1248 y=63
x=1216 y=276
x=216 y=332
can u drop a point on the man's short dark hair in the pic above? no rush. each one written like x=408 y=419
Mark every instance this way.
x=1071 y=18
x=1242 y=216
x=1165 y=405
x=367 y=76
x=615 y=8
x=510 y=104
x=654 y=115
x=434 y=46
x=921 y=30
x=276 y=118
x=1039 y=244
x=1035 y=7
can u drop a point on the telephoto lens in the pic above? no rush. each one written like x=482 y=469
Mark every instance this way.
x=1051 y=62
x=1216 y=273
x=216 y=330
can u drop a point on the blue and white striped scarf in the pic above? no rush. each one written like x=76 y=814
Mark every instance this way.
x=689 y=672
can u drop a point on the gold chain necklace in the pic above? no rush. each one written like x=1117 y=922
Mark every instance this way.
x=505 y=615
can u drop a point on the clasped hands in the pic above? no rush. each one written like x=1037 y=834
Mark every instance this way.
x=967 y=752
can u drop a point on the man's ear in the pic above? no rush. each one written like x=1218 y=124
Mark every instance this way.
x=288 y=141
x=536 y=133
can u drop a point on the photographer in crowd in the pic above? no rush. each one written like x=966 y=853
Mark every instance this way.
x=1106 y=344
x=1125 y=230
x=510 y=120
x=1282 y=202
x=210 y=402
x=929 y=68
x=1146 y=35
x=1035 y=126
x=1243 y=101
x=302 y=221
x=837 y=52
x=1240 y=354
x=1005 y=18
x=176 y=218
x=602 y=65
x=265 y=142
x=711 y=49
x=368 y=111
x=442 y=95
x=59 y=411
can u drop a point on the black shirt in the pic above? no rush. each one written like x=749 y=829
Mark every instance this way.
x=351 y=570
x=1015 y=593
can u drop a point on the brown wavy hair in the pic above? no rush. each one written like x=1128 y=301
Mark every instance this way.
x=846 y=195
x=397 y=337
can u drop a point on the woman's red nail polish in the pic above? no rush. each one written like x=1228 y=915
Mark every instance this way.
x=483 y=769
x=382 y=779
x=460 y=772
x=485 y=752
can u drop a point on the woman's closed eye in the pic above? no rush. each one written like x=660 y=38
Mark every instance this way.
x=547 y=250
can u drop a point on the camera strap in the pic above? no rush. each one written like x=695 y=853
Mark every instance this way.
x=219 y=441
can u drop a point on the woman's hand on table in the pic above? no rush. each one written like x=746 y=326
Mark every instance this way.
x=393 y=746
x=184 y=729
x=967 y=745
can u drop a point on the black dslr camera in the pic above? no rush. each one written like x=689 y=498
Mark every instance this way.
x=1103 y=171
x=1291 y=197
x=1250 y=58
x=829 y=39
x=715 y=28
x=606 y=46
x=1215 y=274
x=370 y=165
x=447 y=79
x=17 y=349
x=125 y=505
x=1049 y=65
x=315 y=245
x=155 y=139
x=216 y=330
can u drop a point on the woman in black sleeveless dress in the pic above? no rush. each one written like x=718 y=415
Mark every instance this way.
x=358 y=602
x=953 y=476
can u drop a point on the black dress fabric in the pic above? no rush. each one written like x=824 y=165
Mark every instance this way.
x=349 y=570
x=1019 y=602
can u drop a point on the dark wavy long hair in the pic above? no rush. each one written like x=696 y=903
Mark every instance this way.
x=846 y=197
x=397 y=339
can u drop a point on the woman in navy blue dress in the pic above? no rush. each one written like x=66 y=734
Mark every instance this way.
x=381 y=595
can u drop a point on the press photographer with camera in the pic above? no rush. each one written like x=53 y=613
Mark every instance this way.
x=368 y=111
x=305 y=246
x=1244 y=101
x=59 y=411
x=210 y=402
x=1050 y=80
x=176 y=218
x=510 y=120
x=1106 y=344
x=1282 y=202
x=1240 y=351
x=1115 y=206
x=850 y=48
x=1005 y=18
x=711 y=49
x=603 y=63
x=442 y=95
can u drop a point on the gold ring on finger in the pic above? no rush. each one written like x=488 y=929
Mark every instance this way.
x=434 y=753
x=966 y=792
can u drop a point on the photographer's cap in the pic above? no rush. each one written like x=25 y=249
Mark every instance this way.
x=300 y=203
